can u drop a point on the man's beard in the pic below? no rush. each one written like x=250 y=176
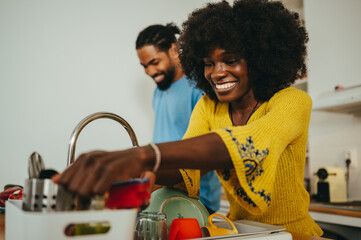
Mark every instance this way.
x=168 y=79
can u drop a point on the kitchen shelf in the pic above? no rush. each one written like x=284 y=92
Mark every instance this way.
x=347 y=100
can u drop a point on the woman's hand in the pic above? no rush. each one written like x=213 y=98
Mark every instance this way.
x=94 y=172
x=152 y=178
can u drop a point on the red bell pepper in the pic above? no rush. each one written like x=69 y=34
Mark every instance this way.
x=5 y=194
x=18 y=195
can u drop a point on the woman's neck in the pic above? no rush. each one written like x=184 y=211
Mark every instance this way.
x=241 y=111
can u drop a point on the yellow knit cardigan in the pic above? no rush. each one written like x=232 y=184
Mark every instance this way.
x=268 y=154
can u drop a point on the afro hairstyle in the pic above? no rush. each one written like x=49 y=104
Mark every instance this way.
x=268 y=36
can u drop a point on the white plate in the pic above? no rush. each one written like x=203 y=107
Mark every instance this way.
x=246 y=228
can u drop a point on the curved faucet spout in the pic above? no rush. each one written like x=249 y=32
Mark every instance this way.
x=90 y=118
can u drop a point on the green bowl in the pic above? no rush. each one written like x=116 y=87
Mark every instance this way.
x=176 y=204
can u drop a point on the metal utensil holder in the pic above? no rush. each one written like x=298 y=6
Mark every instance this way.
x=39 y=195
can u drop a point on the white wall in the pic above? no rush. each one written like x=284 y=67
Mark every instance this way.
x=334 y=59
x=63 y=60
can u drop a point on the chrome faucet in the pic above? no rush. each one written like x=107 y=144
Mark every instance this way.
x=90 y=118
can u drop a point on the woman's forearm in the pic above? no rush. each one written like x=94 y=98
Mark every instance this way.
x=206 y=152
x=94 y=172
x=168 y=177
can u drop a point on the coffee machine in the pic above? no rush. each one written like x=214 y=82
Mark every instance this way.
x=331 y=185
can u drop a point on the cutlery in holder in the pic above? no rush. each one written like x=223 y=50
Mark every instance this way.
x=40 y=195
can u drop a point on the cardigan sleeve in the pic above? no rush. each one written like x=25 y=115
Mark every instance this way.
x=256 y=148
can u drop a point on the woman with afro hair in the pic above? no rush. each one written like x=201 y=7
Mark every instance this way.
x=250 y=126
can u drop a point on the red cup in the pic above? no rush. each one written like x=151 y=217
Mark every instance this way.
x=184 y=228
x=128 y=194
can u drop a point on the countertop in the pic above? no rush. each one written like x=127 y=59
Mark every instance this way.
x=296 y=236
x=335 y=209
x=2 y=226
x=338 y=214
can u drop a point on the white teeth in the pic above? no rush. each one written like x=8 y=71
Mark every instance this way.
x=225 y=85
x=159 y=78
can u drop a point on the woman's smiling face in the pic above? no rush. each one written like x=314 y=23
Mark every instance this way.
x=227 y=75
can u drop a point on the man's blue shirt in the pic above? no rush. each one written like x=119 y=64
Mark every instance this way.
x=173 y=108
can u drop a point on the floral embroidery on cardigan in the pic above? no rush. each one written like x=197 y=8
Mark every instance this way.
x=253 y=163
x=240 y=192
